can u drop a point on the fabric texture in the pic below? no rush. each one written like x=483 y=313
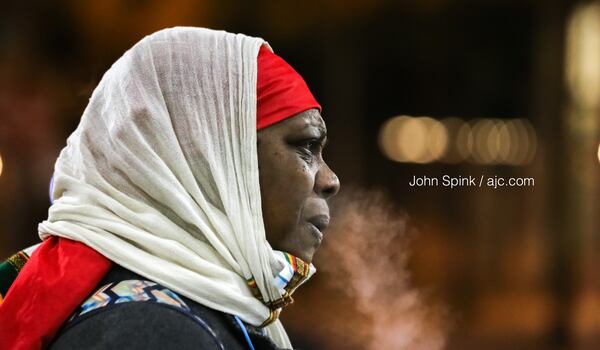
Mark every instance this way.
x=161 y=175
x=75 y=259
x=153 y=325
x=129 y=291
x=137 y=326
x=11 y=267
x=53 y=282
x=281 y=91
x=134 y=290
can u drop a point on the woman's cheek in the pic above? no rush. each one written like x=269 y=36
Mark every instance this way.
x=304 y=177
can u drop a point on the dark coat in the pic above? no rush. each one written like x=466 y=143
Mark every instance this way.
x=152 y=325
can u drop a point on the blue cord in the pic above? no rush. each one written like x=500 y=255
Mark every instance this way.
x=246 y=335
x=51 y=189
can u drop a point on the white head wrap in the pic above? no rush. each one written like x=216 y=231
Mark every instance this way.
x=161 y=175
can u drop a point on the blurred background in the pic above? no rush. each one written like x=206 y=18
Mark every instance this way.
x=490 y=89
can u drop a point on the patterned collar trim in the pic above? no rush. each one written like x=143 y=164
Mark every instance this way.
x=294 y=272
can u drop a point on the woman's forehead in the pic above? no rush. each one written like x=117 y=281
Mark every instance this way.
x=309 y=119
x=297 y=124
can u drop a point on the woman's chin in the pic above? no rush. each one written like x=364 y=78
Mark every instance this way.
x=305 y=253
x=302 y=243
x=308 y=250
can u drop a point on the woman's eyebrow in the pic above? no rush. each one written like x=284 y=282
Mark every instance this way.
x=321 y=129
x=323 y=137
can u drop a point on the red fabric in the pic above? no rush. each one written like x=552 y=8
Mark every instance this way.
x=57 y=278
x=281 y=92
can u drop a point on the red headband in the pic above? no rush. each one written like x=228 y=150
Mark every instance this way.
x=280 y=90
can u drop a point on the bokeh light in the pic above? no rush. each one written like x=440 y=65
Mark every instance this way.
x=583 y=55
x=388 y=136
x=464 y=141
x=452 y=140
x=452 y=127
x=413 y=139
x=437 y=138
x=482 y=152
x=504 y=142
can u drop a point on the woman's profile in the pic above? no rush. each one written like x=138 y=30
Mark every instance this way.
x=187 y=205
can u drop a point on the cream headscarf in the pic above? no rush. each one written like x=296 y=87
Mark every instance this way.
x=161 y=175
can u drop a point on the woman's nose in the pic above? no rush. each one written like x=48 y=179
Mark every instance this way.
x=327 y=183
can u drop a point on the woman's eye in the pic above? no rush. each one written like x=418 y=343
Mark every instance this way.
x=310 y=148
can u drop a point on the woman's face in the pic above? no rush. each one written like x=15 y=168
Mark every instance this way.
x=295 y=183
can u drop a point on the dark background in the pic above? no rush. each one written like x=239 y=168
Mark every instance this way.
x=516 y=266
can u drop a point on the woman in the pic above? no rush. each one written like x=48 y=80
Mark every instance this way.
x=190 y=199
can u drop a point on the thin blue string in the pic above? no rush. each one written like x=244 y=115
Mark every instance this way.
x=246 y=335
x=51 y=189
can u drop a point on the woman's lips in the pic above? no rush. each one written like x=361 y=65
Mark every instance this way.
x=320 y=221
x=318 y=225
x=316 y=232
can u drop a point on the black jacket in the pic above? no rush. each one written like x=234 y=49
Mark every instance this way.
x=151 y=325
